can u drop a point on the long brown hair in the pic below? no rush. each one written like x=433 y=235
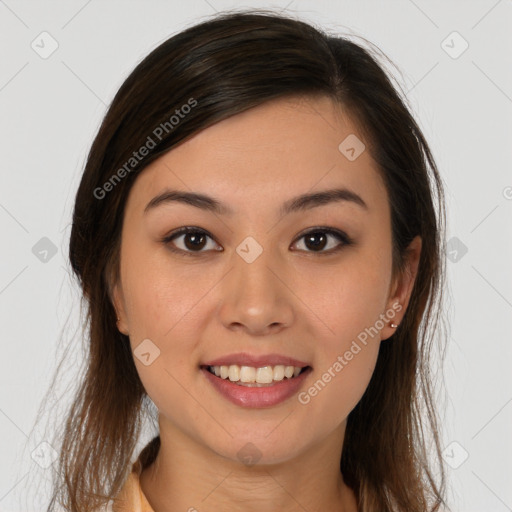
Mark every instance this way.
x=235 y=61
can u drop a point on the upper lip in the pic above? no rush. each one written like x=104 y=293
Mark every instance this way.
x=244 y=359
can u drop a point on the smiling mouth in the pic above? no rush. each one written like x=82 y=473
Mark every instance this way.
x=256 y=377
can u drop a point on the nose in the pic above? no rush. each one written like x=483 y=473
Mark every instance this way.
x=255 y=296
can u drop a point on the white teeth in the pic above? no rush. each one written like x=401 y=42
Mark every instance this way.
x=249 y=374
x=233 y=373
x=279 y=372
x=265 y=375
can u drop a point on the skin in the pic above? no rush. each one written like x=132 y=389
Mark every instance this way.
x=291 y=300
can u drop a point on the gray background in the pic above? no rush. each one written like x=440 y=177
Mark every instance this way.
x=50 y=109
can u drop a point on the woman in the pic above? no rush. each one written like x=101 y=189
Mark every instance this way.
x=256 y=237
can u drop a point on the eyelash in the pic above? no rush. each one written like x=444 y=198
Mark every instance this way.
x=340 y=235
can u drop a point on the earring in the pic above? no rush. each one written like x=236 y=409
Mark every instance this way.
x=393 y=326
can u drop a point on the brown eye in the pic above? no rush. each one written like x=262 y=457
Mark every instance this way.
x=192 y=240
x=318 y=239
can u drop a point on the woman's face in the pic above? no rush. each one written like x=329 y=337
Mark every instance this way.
x=265 y=275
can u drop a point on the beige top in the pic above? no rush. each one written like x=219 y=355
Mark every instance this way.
x=130 y=497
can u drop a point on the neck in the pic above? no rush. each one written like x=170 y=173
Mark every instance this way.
x=189 y=476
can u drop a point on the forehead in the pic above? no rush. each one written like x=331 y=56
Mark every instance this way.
x=268 y=153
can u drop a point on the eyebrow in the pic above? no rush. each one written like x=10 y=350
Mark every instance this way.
x=296 y=204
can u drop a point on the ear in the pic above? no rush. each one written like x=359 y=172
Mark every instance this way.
x=401 y=287
x=119 y=306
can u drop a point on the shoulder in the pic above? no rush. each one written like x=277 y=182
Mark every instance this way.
x=130 y=498
x=127 y=500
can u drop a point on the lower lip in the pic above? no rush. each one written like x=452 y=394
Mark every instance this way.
x=253 y=396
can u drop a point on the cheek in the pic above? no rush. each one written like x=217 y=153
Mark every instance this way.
x=340 y=379
x=349 y=302
x=164 y=306
x=348 y=298
x=159 y=298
